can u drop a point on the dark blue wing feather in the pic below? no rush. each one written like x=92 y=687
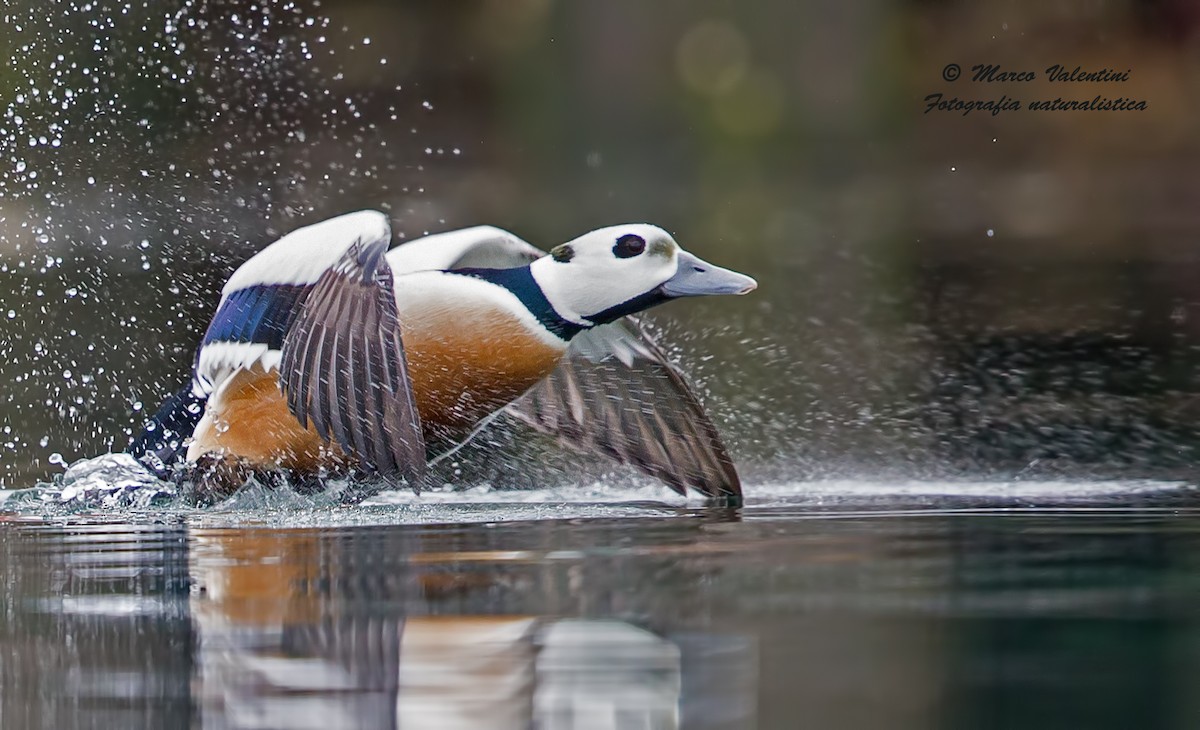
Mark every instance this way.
x=259 y=314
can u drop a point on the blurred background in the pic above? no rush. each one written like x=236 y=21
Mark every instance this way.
x=990 y=295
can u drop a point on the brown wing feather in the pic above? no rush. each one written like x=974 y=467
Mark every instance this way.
x=641 y=413
x=343 y=366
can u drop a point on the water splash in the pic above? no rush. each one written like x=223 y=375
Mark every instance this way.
x=110 y=482
x=156 y=145
x=116 y=487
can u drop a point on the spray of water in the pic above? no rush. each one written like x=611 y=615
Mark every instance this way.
x=144 y=149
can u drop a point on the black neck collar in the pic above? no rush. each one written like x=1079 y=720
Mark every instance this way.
x=520 y=282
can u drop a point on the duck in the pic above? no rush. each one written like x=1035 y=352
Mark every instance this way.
x=332 y=350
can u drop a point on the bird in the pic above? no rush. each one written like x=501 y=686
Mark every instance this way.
x=332 y=349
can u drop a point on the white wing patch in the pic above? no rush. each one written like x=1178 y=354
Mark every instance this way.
x=219 y=360
x=301 y=256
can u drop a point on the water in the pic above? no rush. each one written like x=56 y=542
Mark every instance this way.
x=832 y=604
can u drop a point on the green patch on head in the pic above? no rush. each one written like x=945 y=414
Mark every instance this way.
x=562 y=253
x=662 y=247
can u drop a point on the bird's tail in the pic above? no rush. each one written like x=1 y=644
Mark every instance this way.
x=161 y=444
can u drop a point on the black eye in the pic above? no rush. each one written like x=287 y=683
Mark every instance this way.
x=629 y=245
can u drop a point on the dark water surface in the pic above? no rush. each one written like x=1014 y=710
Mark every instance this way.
x=826 y=608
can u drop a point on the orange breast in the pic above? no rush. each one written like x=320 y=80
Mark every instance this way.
x=249 y=418
x=465 y=364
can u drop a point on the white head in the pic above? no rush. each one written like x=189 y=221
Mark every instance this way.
x=611 y=272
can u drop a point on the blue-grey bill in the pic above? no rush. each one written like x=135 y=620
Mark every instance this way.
x=696 y=277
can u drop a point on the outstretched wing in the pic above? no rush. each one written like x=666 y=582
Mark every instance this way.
x=256 y=309
x=318 y=305
x=343 y=366
x=616 y=393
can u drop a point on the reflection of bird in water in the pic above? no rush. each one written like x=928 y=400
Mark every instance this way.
x=328 y=350
x=298 y=629
x=497 y=673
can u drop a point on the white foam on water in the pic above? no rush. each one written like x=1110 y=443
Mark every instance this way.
x=605 y=501
x=606 y=493
x=112 y=481
x=115 y=486
x=446 y=513
x=595 y=492
x=481 y=504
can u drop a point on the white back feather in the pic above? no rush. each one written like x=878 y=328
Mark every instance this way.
x=485 y=247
